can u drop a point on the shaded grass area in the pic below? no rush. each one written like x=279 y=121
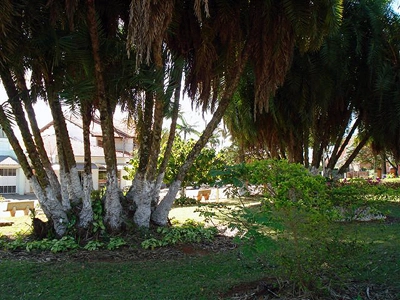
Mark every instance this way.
x=371 y=264
x=378 y=258
x=188 y=278
x=362 y=261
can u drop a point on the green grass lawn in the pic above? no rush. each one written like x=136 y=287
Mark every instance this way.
x=188 y=278
x=378 y=260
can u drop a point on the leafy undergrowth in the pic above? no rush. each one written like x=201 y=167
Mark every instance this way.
x=189 y=232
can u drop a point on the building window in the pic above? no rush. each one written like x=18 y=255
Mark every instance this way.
x=8 y=189
x=8 y=172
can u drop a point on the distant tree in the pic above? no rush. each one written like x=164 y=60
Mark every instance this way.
x=367 y=157
x=185 y=128
x=197 y=175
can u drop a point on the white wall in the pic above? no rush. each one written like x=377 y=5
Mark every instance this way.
x=124 y=144
x=21 y=183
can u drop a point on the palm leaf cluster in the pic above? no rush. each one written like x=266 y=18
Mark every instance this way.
x=348 y=86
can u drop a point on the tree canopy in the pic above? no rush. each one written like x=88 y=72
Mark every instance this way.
x=230 y=56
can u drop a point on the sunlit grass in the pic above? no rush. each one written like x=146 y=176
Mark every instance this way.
x=21 y=225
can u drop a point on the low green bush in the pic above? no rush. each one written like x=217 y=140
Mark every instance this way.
x=189 y=232
x=185 y=201
x=93 y=245
x=66 y=243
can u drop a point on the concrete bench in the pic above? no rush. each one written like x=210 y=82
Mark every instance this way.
x=4 y=223
x=13 y=206
x=203 y=193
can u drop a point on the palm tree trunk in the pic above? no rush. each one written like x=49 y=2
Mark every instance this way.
x=306 y=145
x=40 y=183
x=318 y=147
x=337 y=152
x=139 y=187
x=112 y=205
x=37 y=136
x=160 y=214
x=353 y=155
x=64 y=147
x=66 y=193
x=171 y=137
x=143 y=203
x=298 y=151
x=383 y=157
x=86 y=214
x=291 y=144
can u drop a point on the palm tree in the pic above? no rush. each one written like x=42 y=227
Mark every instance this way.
x=175 y=87
x=186 y=128
x=224 y=40
x=372 y=29
x=218 y=49
x=113 y=207
x=148 y=179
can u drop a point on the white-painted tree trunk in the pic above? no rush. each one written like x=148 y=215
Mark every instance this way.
x=143 y=204
x=51 y=207
x=314 y=171
x=112 y=205
x=64 y=183
x=327 y=173
x=55 y=184
x=142 y=195
x=136 y=188
x=160 y=214
x=86 y=213
x=76 y=186
x=157 y=189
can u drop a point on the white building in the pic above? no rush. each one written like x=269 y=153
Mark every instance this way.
x=12 y=179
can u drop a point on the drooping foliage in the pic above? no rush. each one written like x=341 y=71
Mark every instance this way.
x=349 y=85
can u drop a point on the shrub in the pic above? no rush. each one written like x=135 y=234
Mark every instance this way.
x=291 y=226
x=185 y=201
x=189 y=232
x=93 y=245
x=115 y=243
x=66 y=243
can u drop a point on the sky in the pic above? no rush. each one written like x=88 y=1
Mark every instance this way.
x=396 y=4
